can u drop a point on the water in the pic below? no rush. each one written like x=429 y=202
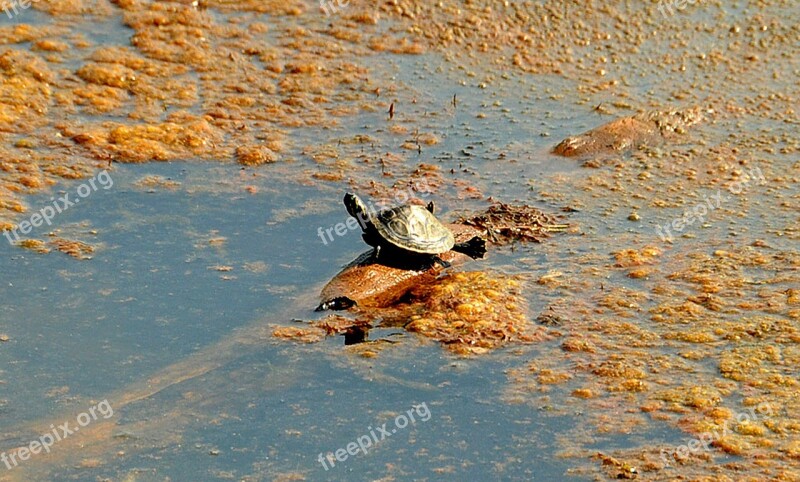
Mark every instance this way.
x=84 y=330
x=196 y=262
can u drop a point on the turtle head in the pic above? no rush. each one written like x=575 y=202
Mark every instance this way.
x=355 y=206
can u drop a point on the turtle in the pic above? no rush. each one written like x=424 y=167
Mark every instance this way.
x=409 y=232
x=366 y=283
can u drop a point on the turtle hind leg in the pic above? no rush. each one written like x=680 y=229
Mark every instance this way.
x=437 y=260
x=474 y=248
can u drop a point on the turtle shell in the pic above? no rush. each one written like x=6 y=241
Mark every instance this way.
x=415 y=229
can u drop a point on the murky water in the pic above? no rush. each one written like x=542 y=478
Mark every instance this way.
x=159 y=289
x=196 y=262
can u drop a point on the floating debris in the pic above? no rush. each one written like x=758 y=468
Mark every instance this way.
x=506 y=223
x=76 y=249
x=35 y=245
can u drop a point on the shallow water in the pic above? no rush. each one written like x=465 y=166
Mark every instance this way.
x=171 y=318
x=86 y=329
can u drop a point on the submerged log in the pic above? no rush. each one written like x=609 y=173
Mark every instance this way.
x=650 y=128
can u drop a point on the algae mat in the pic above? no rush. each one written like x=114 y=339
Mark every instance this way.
x=670 y=314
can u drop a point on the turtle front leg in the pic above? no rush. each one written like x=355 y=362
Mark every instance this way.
x=372 y=239
x=474 y=248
